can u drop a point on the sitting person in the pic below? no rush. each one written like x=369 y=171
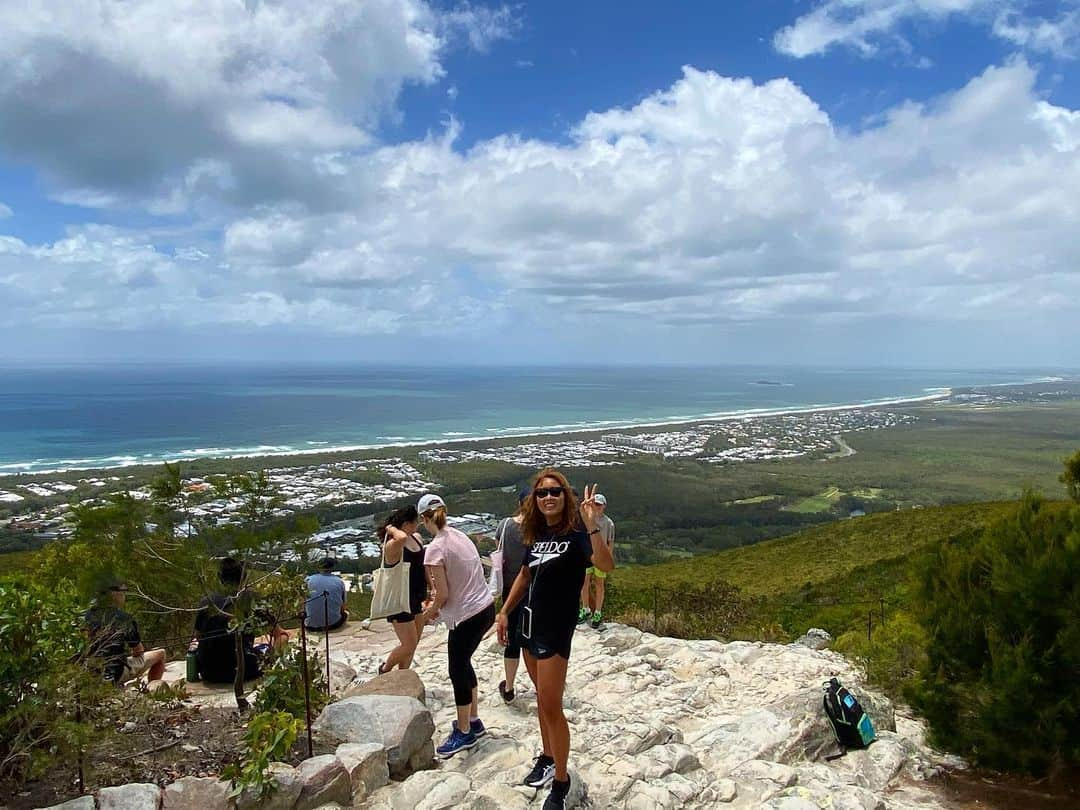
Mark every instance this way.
x=325 y=608
x=115 y=644
x=216 y=652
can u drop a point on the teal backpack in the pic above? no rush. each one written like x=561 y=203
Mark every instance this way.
x=851 y=725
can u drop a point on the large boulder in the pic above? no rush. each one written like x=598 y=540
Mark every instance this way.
x=81 y=803
x=401 y=725
x=137 y=796
x=197 y=793
x=403 y=682
x=324 y=780
x=815 y=639
x=366 y=765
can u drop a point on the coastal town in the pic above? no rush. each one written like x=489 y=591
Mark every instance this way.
x=370 y=482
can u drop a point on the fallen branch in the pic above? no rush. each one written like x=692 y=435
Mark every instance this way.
x=153 y=750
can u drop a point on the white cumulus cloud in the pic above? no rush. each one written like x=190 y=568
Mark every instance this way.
x=868 y=26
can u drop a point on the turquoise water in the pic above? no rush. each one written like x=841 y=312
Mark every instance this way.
x=87 y=417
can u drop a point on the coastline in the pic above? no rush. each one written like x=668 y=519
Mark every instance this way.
x=493 y=434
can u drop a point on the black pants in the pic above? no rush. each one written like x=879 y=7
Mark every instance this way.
x=460 y=646
x=513 y=633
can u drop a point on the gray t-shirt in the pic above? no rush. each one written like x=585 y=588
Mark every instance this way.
x=607 y=530
x=513 y=553
x=335 y=598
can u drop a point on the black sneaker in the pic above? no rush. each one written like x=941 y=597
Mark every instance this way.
x=543 y=771
x=507 y=694
x=556 y=800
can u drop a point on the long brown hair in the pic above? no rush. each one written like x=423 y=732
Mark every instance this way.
x=533 y=523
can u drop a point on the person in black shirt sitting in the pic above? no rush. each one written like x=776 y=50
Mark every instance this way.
x=216 y=653
x=115 y=644
x=563 y=540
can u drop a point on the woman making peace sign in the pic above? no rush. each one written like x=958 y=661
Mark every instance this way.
x=563 y=540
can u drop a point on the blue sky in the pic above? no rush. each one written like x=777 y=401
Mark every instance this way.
x=836 y=181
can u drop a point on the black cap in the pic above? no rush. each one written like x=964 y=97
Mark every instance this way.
x=327 y=563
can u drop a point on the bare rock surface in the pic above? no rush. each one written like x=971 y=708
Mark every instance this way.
x=195 y=793
x=658 y=722
x=136 y=796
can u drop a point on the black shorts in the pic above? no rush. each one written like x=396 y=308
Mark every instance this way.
x=403 y=617
x=549 y=641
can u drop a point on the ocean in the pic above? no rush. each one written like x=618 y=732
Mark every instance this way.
x=113 y=416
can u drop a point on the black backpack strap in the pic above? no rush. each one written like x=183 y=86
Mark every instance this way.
x=843 y=753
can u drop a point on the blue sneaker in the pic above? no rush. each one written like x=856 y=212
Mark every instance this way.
x=456 y=742
x=476 y=727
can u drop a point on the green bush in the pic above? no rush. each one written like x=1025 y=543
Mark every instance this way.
x=893 y=657
x=269 y=738
x=47 y=696
x=282 y=686
x=1001 y=608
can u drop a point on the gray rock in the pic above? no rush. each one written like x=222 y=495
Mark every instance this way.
x=402 y=725
x=324 y=780
x=137 y=796
x=288 y=788
x=341 y=677
x=81 y=803
x=815 y=639
x=366 y=765
x=402 y=682
x=195 y=793
x=431 y=790
x=725 y=790
x=495 y=797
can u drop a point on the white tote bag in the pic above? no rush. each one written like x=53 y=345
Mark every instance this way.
x=495 y=578
x=391 y=594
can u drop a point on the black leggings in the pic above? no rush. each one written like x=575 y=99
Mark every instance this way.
x=513 y=633
x=460 y=646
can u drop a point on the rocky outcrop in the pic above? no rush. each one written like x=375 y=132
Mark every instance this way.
x=655 y=723
x=401 y=725
x=666 y=723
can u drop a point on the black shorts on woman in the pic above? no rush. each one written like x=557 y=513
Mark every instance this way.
x=417 y=585
x=557 y=565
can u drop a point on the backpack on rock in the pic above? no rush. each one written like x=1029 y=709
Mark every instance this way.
x=850 y=723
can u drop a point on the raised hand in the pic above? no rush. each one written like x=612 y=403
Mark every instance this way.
x=590 y=510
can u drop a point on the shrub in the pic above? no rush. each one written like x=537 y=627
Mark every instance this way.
x=269 y=738
x=282 y=686
x=893 y=657
x=47 y=696
x=711 y=610
x=1001 y=608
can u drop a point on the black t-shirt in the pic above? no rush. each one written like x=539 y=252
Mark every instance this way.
x=217 y=652
x=113 y=634
x=557 y=566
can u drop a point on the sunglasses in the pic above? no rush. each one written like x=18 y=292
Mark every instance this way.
x=548 y=492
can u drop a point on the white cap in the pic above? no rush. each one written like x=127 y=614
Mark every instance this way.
x=429 y=502
x=600 y=499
